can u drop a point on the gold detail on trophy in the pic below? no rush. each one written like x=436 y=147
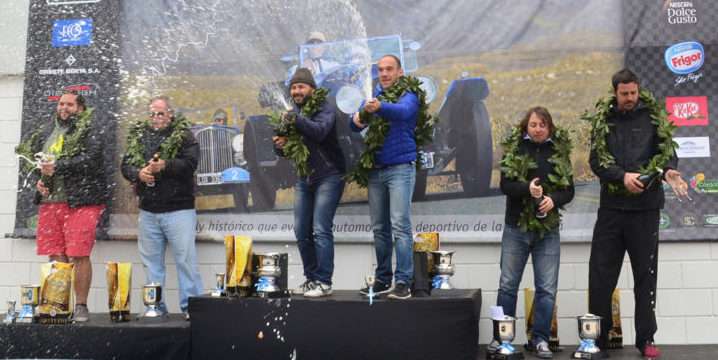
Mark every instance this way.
x=56 y=293
x=238 y=252
x=119 y=283
x=615 y=333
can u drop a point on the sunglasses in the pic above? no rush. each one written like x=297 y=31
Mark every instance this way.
x=156 y=113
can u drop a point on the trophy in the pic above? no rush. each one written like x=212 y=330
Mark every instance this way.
x=11 y=314
x=118 y=290
x=56 y=301
x=268 y=272
x=29 y=299
x=504 y=332
x=370 y=281
x=218 y=286
x=589 y=329
x=152 y=297
x=443 y=268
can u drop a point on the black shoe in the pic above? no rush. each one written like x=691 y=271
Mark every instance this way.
x=401 y=291
x=379 y=288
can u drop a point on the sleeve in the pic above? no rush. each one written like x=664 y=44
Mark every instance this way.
x=129 y=171
x=317 y=128
x=514 y=188
x=185 y=163
x=612 y=173
x=404 y=110
x=563 y=196
x=92 y=154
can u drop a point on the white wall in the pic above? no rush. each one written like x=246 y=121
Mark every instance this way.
x=688 y=285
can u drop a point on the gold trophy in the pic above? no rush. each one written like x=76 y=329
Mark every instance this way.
x=56 y=293
x=152 y=298
x=29 y=299
x=119 y=283
x=238 y=252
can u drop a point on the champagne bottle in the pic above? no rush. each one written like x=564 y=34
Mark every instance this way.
x=155 y=158
x=649 y=179
x=537 y=202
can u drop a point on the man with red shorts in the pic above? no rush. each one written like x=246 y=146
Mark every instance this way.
x=72 y=190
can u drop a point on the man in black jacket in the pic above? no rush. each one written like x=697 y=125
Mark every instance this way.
x=629 y=210
x=72 y=190
x=316 y=196
x=160 y=161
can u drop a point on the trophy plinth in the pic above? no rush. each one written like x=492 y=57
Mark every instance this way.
x=29 y=299
x=152 y=298
x=443 y=268
x=589 y=329
x=219 y=285
x=504 y=332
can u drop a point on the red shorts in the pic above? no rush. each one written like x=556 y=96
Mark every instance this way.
x=62 y=230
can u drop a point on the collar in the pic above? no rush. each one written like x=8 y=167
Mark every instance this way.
x=527 y=137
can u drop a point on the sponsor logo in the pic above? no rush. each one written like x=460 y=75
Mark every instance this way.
x=693 y=147
x=681 y=12
x=687 y=111
x=664 y=222
x=710 y=220
x=688 y=220
x=685 y=58
x=72 y=32
x=700 y=184
x=70 y=60
x=71 y=2
x=86 y=90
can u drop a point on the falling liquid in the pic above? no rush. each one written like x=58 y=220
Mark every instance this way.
x=260 y=335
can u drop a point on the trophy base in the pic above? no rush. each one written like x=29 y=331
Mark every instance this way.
x=25 y=320
x=497 y=356
x=273 y=294
x=54 y=320
x=216 y=293
x=120 y=316
x=585 y=355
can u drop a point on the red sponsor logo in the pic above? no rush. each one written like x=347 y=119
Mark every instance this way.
x=688 y=110
x=86 y=90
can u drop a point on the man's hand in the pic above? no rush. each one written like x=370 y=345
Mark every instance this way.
x=372 y=105
x=145 y=175
x=279 y=141
x=546 y=205
x=535 y=189
x=47 y=168
x=631 y=182
x=679 y=186
x=357 y=121
x=44 y=191
x=156 y=166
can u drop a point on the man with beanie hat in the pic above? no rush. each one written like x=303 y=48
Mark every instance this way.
x=317 y=195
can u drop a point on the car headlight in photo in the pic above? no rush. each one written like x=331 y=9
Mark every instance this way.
x=429 y=87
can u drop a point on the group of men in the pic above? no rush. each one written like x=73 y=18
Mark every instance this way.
x=162 y=157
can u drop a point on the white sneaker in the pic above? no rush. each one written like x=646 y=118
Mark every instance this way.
x=304 y=287
x=320 y=289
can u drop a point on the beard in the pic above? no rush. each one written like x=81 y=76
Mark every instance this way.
x=299 y=99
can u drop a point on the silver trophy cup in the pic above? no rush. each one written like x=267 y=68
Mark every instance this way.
x=29 y=299
x=268 y=272
x=589 y=329
x=11 y=315
x=504 y=332
x=219 y=285
x=443 y=269
x=152 y=298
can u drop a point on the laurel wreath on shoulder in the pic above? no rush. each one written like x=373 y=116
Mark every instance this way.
x=516 y=166
x=73 y=144
x=169 y=147
x=379 y=128
x=601 y=128
x=285 y=125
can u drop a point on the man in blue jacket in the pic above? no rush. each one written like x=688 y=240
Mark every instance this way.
x=317 y=195
x=391 y=182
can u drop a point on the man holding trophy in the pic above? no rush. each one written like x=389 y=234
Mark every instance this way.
x=72 y=190
x=310 y=128
x=160 y=162
x=632 y=153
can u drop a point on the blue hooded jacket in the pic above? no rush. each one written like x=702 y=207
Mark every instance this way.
x=399 y=145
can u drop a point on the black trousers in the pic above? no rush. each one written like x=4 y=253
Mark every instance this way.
x=617 y=232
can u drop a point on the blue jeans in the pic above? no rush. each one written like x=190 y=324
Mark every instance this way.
x=314 y=207
x=390 y=191
x=516 y=246
x=176 y=228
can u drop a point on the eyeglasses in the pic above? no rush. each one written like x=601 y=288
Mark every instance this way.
x=156 y=113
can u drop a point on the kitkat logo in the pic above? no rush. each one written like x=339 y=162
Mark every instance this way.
x=688 y=110
x=685 y=58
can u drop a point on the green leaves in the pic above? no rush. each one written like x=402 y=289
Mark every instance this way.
x=169 y=147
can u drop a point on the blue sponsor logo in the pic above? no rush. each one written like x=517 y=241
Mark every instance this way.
x=685 y=58
x=72 y=32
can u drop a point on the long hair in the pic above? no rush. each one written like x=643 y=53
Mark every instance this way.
x=542 y=113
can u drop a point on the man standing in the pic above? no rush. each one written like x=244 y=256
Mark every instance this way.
x=160 y=162
x=391 y=181
x=316 y=194
x=72 y=191
x=626 y=144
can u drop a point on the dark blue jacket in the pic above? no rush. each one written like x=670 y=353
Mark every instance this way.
x=399 y=145
x=320 y=135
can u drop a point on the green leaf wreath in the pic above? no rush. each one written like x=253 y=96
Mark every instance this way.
x=601 y=128
x=379 y=128
x=284 y=124
x=516 y=166
x=169 y=147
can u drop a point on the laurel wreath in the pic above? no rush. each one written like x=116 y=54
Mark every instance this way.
x=516 y=165
x=169 y=147
x=601 y=128
x=285 y=125
x=379 y=128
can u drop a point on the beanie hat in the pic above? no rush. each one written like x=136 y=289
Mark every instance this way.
x=304 y=76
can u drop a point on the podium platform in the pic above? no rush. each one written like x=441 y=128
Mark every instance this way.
x=342 y=326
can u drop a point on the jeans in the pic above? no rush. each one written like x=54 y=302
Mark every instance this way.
x=516 y=246
x=176 y=228
x=314 y=207
x=390 y=191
